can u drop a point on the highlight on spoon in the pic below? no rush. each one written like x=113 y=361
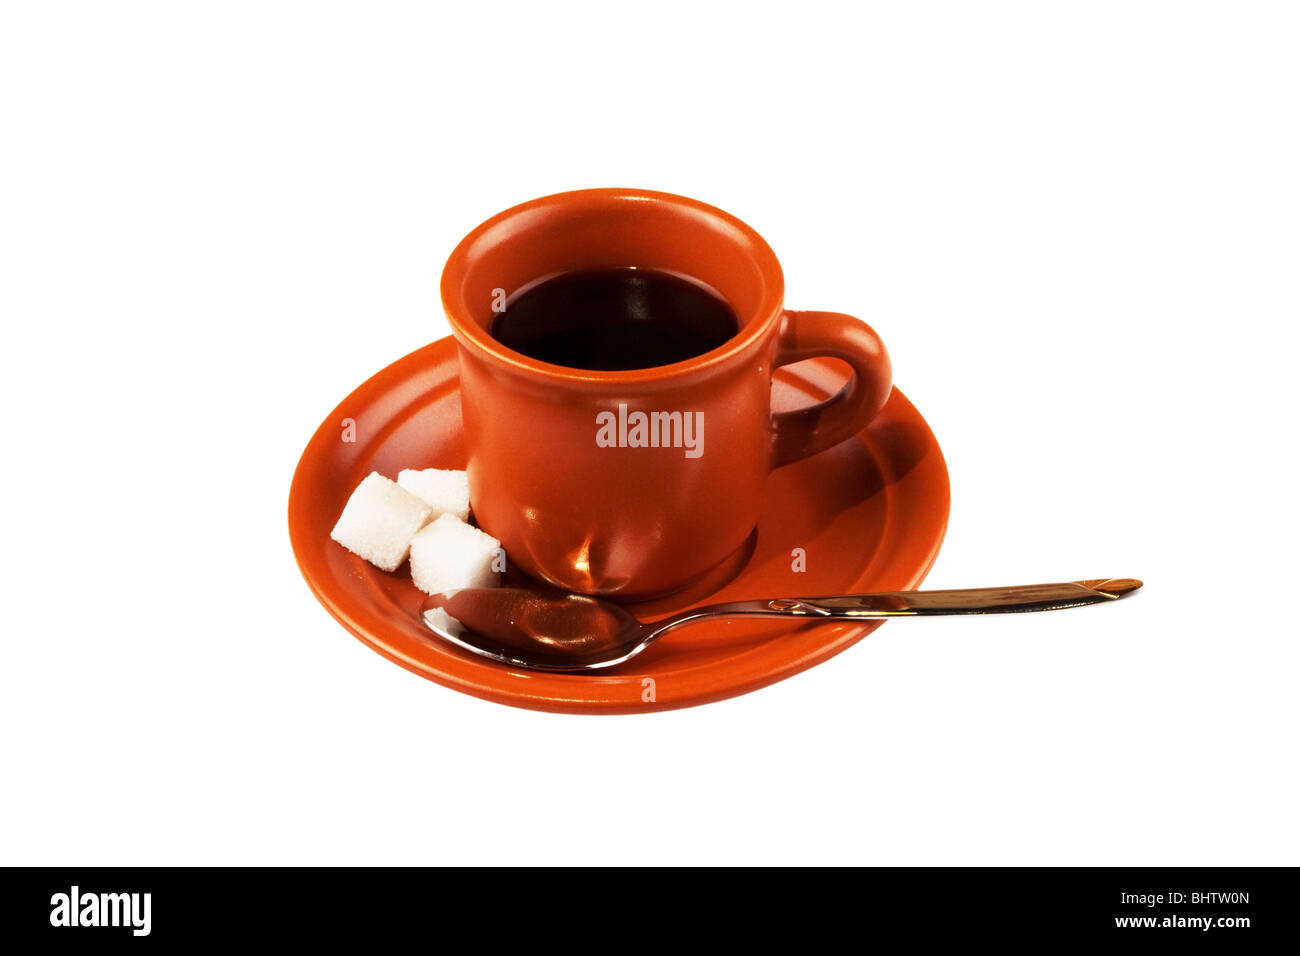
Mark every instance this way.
x=1112 y=587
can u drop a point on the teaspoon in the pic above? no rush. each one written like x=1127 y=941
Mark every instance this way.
x=554 y=631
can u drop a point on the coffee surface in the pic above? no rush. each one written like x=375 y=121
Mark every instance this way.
x=609 y=319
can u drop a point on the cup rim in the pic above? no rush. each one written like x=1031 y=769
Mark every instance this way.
x=470 y=334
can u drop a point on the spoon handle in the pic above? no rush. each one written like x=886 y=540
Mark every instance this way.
x=1003 y=600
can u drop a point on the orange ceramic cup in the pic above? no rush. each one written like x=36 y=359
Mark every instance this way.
x=621 y=518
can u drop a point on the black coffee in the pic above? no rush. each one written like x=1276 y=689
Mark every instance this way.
x=614 y=319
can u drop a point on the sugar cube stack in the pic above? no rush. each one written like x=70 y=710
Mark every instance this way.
x=443 y=490
x=379 y=521
x=449 y=555
x=423 y=514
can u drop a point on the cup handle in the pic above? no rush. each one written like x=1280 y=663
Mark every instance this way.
x=806 y=431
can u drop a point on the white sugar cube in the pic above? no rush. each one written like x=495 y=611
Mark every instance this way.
x=379 y=521
x=449 y=555
x=445 y=491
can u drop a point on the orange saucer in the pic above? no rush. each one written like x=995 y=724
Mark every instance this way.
x=868 y=514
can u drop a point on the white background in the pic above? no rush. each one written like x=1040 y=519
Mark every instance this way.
x=1075 y=225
